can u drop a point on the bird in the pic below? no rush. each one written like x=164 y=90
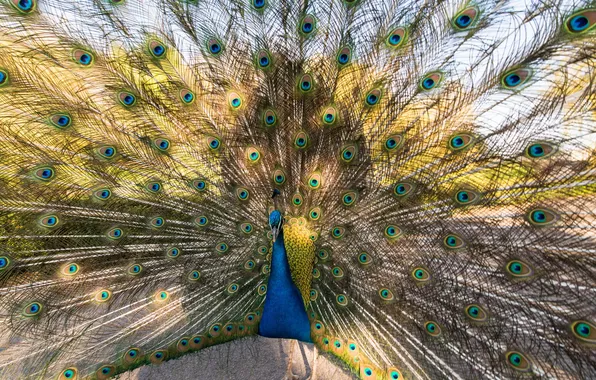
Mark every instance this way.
x=409 y=185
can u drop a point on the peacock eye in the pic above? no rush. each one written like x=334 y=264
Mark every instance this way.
x=61 y=120
x=396 y=37
x=465 y=18
x=24 y=6
x=420 y=275
x=431 y=81
x=432 y=328
x=157 y=49
x=214 y=46
x=373 y=97
x=127 y=99
x=516 y=78
x=344 y=56
x=393 y=143
x=519 y=269
x=187 y=96
x=581 y=22
x=308 y=25
x=386 y=294
x=518 y=361
x=3 y=77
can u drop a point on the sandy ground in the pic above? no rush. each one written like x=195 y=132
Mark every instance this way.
x=250 y=358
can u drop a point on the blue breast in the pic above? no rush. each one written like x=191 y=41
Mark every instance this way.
x=284 y=315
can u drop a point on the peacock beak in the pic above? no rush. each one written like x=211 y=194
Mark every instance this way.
x=275 y=232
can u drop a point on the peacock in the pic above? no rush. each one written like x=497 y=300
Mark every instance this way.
x=410 y=185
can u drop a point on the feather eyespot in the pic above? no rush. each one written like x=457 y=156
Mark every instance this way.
x=542 y=217
x=173 y=252
x=306 y=84
x=519 y=269
x=71 y=269
x=337 y=273
x=253 y=155
x=162 y=144
x=420 y=275
x=24 y=6
x=402 y=189
x=61 y=120
x=396 y=38
x=373 y=97
x=102 y=194
x=314 y=294
x=249 y=265
x=315 y=213
x=132 y=355
x=105 y=372
x=5 y=262
x=365 y=258
x=581 y=22
x=259 y=4
x=115 y=233
x=342 y=300
x=194 y=275
x=134 y=269
x=394 y=374
x=452 y=241
x=199 y=185
x=246 y=228
x=518 y=361
x=393 y=143
x=263 y=59
x=460 y=141
x=158 y=356
x=106 y=152
x=49 y=221
x=344 y=56
x=297 y=200
x=215 y=47
x=349 y=198
x=242 y=194
x=279 y=177
x=466 y=18
x=44 y=173
x=82 y=57
x=235 y=101
x=269 y=118
x=476 y=313
x=584 y=331
x=316 y=273
x=262 y=250
x=157 y=49
x=466 y=197
x=221 y=247
x=154 y=187
x=338 y=232
x=516 y=78
x=431 y=81
x=103 y=295
x=329 y=116
x=201 y=221
x=540 y=150
x=348 y=153
x=308 y=25
x=3 y=77
x=323 y=254
x=161 y=296
x=183 y=344
x=213 y=143
x=315 y=180
x=157 y=222
x=32 y=309
x=301 y=140
x=187 y=96
x=262 y=290
x=432 y=328
x=232 y=288
x=127 y=99
x=392 y=232
x=386 y=294
x=69 y=374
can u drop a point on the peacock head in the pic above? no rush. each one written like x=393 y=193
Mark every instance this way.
x=275 y=218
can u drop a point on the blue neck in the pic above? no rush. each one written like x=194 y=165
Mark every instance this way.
x=284 y=315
